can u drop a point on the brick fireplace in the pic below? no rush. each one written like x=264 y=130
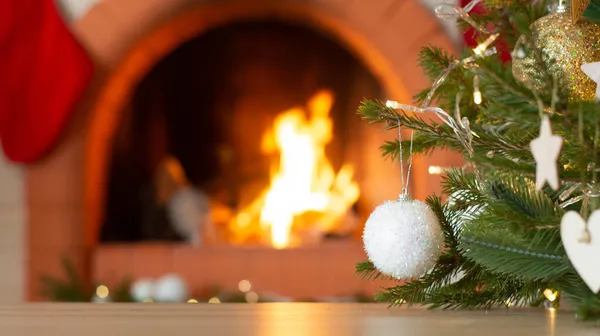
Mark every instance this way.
x=68 y=191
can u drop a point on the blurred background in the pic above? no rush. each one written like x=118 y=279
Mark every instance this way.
x=202 y=150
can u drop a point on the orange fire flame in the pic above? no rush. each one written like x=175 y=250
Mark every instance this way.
x=304 y=192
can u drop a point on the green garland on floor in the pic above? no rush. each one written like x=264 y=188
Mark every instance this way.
x=72 y=288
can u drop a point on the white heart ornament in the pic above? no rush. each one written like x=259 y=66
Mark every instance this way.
x=585 y=257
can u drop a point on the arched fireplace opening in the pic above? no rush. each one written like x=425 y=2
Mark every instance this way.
x=67 y=192
x=206 y=109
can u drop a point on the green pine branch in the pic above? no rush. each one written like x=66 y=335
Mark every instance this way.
x=367 y=271
x=432 y=133
x=70 y=288
x=578 y=293
x=518 y=263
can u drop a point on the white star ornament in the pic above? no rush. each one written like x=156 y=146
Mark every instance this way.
x=545 y=149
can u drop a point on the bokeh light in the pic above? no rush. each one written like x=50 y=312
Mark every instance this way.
x=245 y=286
x=102 y=292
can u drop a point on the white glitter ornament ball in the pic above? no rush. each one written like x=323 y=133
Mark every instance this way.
x=403 y=238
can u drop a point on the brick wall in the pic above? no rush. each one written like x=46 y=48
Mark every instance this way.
x=75 y=9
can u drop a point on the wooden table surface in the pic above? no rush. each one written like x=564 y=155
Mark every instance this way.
x=278 y=319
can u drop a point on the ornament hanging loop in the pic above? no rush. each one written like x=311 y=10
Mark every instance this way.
x=404 y=196
x=404 y=183
x=562 y=6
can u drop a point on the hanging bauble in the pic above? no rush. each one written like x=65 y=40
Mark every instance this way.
x=142 y=290
x=403 y=238
x=564 y=47
x=170 y=288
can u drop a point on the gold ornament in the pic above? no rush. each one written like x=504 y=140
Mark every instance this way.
x=564 y=46
x=577 y=9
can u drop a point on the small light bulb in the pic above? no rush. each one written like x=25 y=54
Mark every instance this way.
x=550 y=295
x=482 y=47
x=192 y=301
x=435 y=170
x=214 y=300
x=392 y=104
x=477 y=98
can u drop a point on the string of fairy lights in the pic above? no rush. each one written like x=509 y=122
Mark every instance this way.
x=244 y=287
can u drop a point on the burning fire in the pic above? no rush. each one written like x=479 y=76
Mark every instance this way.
x=305 y=193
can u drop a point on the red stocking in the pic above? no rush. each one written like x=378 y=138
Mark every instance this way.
x=43 y=74
x=471 y=36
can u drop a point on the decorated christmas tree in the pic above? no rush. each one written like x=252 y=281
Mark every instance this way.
x=519 y=223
